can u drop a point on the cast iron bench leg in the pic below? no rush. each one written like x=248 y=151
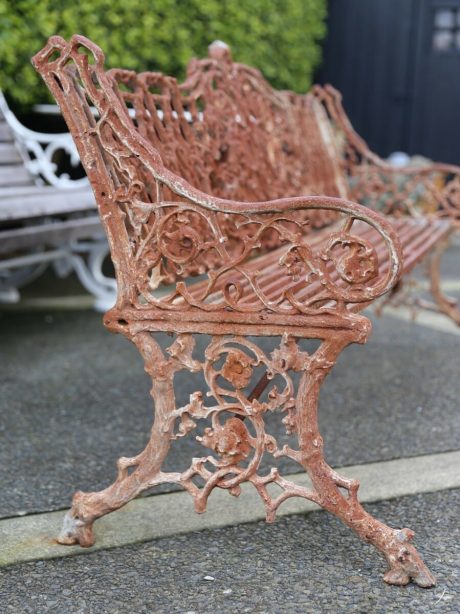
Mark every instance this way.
x=135 y=474
x=405 y=564
x=239 y=448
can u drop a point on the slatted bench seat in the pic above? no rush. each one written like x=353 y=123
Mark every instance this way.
x=45 y=217
x=418 y=236
x=229 y=194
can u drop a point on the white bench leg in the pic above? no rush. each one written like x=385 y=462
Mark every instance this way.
x=87 y=259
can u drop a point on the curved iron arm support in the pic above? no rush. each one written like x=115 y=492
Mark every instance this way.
x=38 y=150
x=433 y=188
x=120 y=163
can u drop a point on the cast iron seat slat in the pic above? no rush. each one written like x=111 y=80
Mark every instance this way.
x=417 y=236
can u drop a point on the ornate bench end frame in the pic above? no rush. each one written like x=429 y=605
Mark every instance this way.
x=130 y=181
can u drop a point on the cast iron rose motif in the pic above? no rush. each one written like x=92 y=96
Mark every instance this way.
x=237 y=369
x=358 y=264
x=231 y=441
x=294 y=264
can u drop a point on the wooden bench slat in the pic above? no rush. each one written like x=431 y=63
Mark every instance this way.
x=50 y=234
x=9 y=154
x=6 y=136
x=43 y=200
x=14 y=175
x=27 y=191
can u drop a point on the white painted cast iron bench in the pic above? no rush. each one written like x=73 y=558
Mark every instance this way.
x=46 y=217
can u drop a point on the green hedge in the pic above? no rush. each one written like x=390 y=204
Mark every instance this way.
x=281 y=37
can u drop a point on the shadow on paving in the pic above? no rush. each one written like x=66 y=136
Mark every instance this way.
x=74 y=398
x=307 y=564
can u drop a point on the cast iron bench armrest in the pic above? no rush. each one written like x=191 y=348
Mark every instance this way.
x=268 y=214
x=38 y=150
x=434 y=186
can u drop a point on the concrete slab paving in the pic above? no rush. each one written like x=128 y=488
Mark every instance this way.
x=435 y=321
x=74 y=398
x=303 y=563
x=33 y=537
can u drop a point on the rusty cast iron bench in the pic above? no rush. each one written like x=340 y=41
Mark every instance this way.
x=208 y=179
x=45 y=216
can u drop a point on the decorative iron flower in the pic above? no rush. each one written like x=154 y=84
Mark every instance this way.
x=359 y=263
x=293 y=263
x=237 y=369
x=231 y=441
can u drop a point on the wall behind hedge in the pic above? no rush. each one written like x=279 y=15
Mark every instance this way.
x=280 y=37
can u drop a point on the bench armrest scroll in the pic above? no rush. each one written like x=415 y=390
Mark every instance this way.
x=347 y=264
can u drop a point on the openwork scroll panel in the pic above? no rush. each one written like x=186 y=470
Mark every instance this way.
x=231 y=420
x=304 y=277
x=229 y=133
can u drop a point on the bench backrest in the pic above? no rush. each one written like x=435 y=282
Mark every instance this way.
x=228 y=133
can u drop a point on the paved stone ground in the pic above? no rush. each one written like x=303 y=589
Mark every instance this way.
x=309 y=564
x=74 y=398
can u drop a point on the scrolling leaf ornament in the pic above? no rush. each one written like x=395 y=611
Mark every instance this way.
x=236 y=435
x=344 y=270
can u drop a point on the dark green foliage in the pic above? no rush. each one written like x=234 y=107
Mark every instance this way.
x=280 y=37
